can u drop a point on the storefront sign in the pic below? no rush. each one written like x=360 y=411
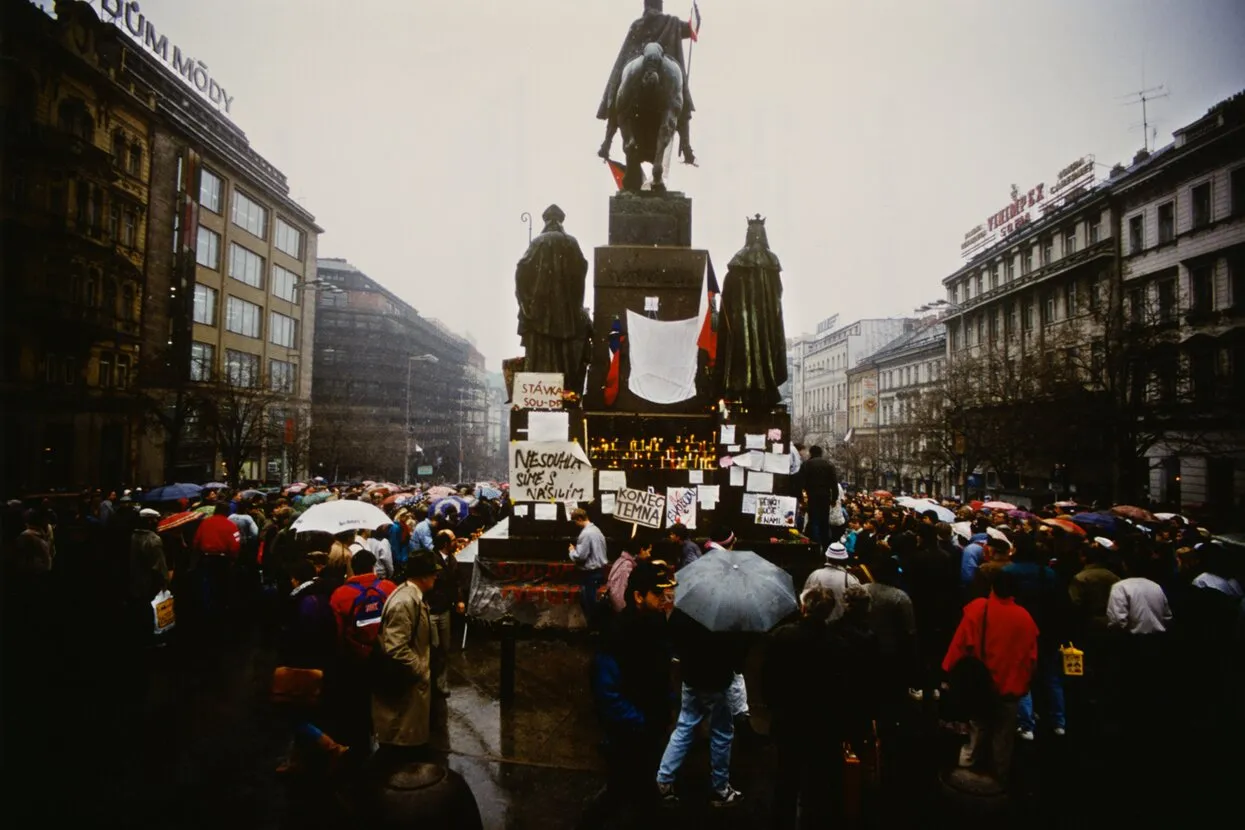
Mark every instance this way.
x=129 y=16
x=549 y=471
x=1072 y=179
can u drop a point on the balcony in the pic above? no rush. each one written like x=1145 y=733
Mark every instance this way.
x=1097 y=251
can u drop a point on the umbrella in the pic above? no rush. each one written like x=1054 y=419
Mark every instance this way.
x=318 y=479
x=440 y=491
x=250 y=494
x=1136 y=514
x=1167 y=517
x=340 y=516
x=215 y=485
x=173 y=492
x=882 y=494
x=296 y=487
x=976 y=505
x=962 y=529
x=998 y=505
x=486 y=491
x=925 y=505
x=177 y=520
x=1102 y=522
x=400 y=498
x=205 y=509
x=1020 y=514
x=1066 y=504
x=1067 y=525
x=459 y=505
x=735 y=590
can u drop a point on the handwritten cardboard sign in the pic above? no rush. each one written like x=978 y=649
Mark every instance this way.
x=640 y=507
x=547 y=471
x=778 y=511
x=681 y=506
x=538 y=390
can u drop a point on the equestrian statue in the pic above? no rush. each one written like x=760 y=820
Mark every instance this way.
x=646 y=97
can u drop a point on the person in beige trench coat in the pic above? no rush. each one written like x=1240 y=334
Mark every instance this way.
x=402 y=703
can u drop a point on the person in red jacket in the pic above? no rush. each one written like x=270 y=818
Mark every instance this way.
x=1009 y=652
x=357 y=605
x=216 y=545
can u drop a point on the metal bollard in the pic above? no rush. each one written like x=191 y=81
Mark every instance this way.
x=509 y=630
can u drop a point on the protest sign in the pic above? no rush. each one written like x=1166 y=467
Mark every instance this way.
x=545 y=471
x=681 y=506
x=775 y=510
x=640 y=507
x=538 y=390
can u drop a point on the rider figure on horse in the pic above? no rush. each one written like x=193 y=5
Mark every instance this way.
x=653 y=26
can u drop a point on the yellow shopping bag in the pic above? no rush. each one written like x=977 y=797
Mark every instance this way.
x=1073 y=660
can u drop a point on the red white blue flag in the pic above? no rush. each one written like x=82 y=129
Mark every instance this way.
x=693 y=21
x=708 y=340
x=618 y=170
x=611 y=377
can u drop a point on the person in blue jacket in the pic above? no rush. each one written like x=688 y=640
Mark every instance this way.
x=631 y=692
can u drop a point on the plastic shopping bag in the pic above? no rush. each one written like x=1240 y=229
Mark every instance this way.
x=162 y=612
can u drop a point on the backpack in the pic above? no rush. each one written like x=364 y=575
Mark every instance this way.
x=363 y=622
x=972 y=691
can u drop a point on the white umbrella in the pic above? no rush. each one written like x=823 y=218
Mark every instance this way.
x=339 y=517
x=923 y=505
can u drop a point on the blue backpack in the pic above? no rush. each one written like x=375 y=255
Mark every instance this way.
x=363 y=624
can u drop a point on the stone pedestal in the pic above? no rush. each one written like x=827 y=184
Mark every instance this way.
x=647 y=218
x=624 y=277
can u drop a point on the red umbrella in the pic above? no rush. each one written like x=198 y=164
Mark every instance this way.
x=1066 y=525
x=882 y=494
x=178 y=519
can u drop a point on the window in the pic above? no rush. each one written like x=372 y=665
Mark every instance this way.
x=246 y=265
x=1028 y=315
x=1202 y=289
x=1013 y=318
x=284 y=284
x=1070 y=299
x=994 y=278
x=1097 y=359
x=1026 y=262
x=1069 y=241
x=1136 y=306
x=242 y=317
x=281 y=375
x=109 y=303
x=202 y=361
x=1167 y=222
x=124 y=363
x=127 y=302
x=1048 y=308
x=118 y=148
x=241 y=368
x=1048 y=250
x=981 y=330
x=333 y=299
x=114 y=222
x=1201 y=204
x=135 y=166
x=249 y=214
x=994 y=327
x=1095 y=230
x=1202 y=374
x=1237 y=279
x=1092 y=292
x=205 y=304
x=1136 y=239
x=1238 y=191
x=1167 y=301
x=207 y=249
x=281 y=329
x=980 y=285
x=1011 y=269
x=105 y=370
x=289 y=239
x=210 y=190
x=129 y=228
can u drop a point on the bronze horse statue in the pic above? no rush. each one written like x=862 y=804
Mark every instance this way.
x=647 y=107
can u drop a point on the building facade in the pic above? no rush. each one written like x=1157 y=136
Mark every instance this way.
x=822 y=408
x=397 y=396
x=908 y=374
x=1094 y=347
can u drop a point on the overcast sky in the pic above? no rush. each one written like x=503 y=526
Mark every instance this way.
x=872 y=134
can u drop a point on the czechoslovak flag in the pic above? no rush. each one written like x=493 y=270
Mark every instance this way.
x=611 y=376
x=708 y=340
x=693 y=21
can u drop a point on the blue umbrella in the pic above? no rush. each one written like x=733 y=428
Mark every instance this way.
x=1102 y=522
x=215 y=485
x=173 y=492
x=486 y=491
x=250 y=494
x=457 y=505
x=735 y=590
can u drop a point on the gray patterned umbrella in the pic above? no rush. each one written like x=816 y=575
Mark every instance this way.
x=735 y=590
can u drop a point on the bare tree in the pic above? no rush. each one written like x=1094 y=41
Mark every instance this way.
x=234 y=412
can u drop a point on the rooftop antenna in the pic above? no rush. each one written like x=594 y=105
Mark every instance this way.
x=1143 y=97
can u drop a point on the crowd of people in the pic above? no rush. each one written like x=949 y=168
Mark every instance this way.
x=1000 y=624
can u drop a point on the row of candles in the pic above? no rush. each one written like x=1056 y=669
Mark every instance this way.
x=684 y=453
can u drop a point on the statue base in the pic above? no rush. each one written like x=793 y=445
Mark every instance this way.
x=648 y=218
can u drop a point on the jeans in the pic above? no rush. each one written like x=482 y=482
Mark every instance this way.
x=590 y=582
x=1048 y=679
x=818 y=527
x=991 y=740
x=696 y=706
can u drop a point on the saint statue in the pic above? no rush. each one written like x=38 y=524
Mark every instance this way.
x=668 y=31
x=549 y=284
x=752 y=343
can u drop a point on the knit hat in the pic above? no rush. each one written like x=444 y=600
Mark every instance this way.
x=836 y=551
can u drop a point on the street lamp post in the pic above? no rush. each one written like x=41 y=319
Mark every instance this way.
x=406 y=462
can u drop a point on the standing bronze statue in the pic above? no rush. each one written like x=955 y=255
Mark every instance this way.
x=554 y=327
x=752 y=342
x=646 y=95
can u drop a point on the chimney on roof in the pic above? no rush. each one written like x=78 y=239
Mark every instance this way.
x=1141 y=156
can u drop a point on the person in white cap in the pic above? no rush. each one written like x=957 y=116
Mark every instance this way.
x=833 y=577
x=149 y=572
